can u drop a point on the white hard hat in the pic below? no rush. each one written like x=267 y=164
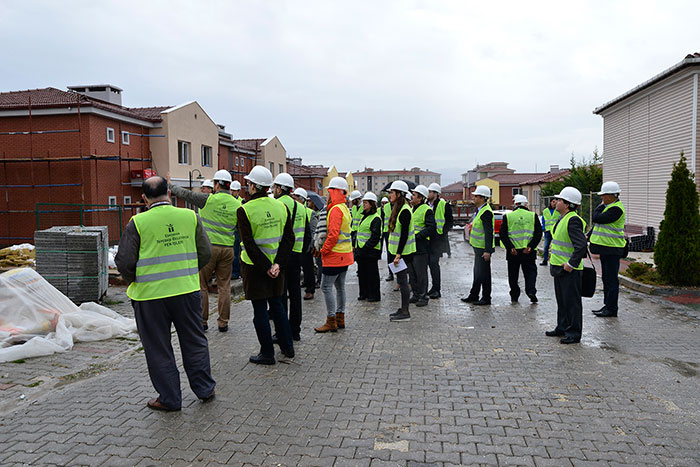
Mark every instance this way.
x=301 y=193
x=400 y=185
x=385 y=199
x=339 y=183
x=235 y=185
x=610 y=188
x=354 y=195
x=284 y=179
x=570 y=194
x=369 y=196
x=520 y=199
x=208 y=183
x=435 y=187
x=260 y=176
x=483 y=190
x=222 y=176
x=422 y=190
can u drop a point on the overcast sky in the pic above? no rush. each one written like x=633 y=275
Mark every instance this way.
x=382 y=84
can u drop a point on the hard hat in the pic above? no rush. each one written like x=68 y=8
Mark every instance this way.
x=260 y=176
x=208 y=183
x=385 y=200
x=520 y=199
x=570 y=194
x=339 y=183
x=422 y=190
x=222 y=176
x=400 y=185
x=300 y=192
x=235 y=185
x=483 y=190
x=610 y=188
x=284 y=179
x=354 y=195
x=435 y=187
x=369 y=196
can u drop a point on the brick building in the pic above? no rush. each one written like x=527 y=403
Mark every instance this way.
x=375 y=180
x=453 y=192
x=308 y=177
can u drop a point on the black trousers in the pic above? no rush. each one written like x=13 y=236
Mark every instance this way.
x=434 y=265
x=265 y=310
x=482 y=276
x=368 y=270
x=154 y=319
x=307 y=265
x=567 y=289
x=292 y=292
x=402 y=280
x=418 y=274
x=528 y=264
x=389 y=256
x=610 y=265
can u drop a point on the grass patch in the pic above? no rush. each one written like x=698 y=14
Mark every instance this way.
x=21 y=360
x=109 y=301
x=32 y=385
x=644 y=273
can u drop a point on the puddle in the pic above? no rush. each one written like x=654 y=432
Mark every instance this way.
x=688 y=369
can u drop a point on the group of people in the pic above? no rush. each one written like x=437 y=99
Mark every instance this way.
x=565 y=247
x=168 y=256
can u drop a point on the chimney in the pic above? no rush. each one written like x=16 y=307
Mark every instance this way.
x=554 y=168
x=103 y=92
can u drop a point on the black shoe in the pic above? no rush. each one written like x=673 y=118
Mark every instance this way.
x=362 y=298
x=601 y=310
x=513 y=299
x=288 y=353
x=274 y=339
x=389 y=278
x=607 y=314
x=482 y=302
x=422 y=302
x=413 y=299
x=372 y=300
x=205 y=326
x=533 y=298
x=434 y=295
x=223 y=328
x=570 y=340
x=208 y=398
x=296 y=337
x=469 y=299
x=259 y=359
x=543 y=263
x=405 y=316
x=396 y=313
x=554 y=333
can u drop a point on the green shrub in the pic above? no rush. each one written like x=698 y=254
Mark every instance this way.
x=637 y=270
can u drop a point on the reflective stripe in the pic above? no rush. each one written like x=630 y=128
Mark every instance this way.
x=159 y=276
x=343 y=240
x=518 y=238
x=262 y=241
x=611 y=235
x=561 y=243
x=165 y=259
x=229 y=233
x=218 y=224
x=299 y=229
x=566 y=254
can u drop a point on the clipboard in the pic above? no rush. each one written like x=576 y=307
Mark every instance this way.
x=395 y=269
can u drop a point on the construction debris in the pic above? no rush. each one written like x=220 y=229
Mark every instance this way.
x=17 y=256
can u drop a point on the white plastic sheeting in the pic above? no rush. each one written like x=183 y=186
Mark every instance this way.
x=36 y=319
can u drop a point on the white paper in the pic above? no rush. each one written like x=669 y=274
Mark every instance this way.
x=399 y=268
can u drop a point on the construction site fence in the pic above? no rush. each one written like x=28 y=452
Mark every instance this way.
x=114 y=216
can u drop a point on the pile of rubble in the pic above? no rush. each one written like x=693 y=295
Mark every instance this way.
x=17 y=256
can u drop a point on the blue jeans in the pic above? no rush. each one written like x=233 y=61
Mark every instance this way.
x=335 y=303
x=547 y=242
x=261 y=320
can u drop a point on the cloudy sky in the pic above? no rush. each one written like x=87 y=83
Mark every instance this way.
x=385 y=84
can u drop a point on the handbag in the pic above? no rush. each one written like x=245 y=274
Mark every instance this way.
x=589 y=279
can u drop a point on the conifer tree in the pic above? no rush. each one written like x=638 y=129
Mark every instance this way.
x=677 y=250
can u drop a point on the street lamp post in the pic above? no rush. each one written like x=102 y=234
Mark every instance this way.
x=199 y=177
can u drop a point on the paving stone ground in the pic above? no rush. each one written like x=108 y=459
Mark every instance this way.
x=457 y=385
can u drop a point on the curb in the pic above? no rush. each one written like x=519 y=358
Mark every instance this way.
x=646 y=288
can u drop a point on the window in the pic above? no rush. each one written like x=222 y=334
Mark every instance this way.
x=236 y=161
x=127 y=200
x=281 y=168
x=125 y=137
x=272 y=168
x=417 y=179
x=110 y=135
x=517 y=191
x=183 y=152
x=206 y=156
x=112 y=201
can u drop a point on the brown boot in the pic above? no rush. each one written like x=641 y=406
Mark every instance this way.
x=340 y=320
x=330 y=325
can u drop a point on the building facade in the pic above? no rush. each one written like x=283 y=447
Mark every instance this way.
x=375 y=180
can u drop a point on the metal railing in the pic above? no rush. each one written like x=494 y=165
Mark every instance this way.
x=112 y=215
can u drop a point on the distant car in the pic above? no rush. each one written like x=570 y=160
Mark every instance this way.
x=498 y=219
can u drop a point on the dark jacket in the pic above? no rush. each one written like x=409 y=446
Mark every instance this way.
x=607 y=217
x=368 y=250
x=438 y=243
x=428 y=231
x=508 y=245
x=257 y=285
x=578 y=239
x=130 y=242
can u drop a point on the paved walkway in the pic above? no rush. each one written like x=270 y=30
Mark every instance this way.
x=457 y=385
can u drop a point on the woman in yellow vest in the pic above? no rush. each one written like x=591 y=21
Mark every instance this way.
x=402 y=243
x=424 y=228
x=566 y=266
x=336 y=255
x=368 y=249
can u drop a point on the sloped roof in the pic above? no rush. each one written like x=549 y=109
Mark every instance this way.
x=297 y=170
x=513 y=178
x=547 y=177
x=394 y=172
x=150 y=112
x=453 y=188
x=251 y=144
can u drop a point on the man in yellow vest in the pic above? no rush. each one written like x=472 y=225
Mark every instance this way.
x=267 y=239
x=282 y=189
x=160 y=254
x=550 y=216
x=520 y=233
x=608 y=240
x=482 y=241
x=566 y=266
x=439 y=242
x=217 y=212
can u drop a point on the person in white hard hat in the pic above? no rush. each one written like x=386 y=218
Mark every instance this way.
x=402 y=243
x=267 y=235
x=282 y=188
x=608 y=240
x=481 y=239
x=424 y=228
x=566 y=266
x=207 y=187
x=550 y=216
x=307 y=257
x=439 y=243
x=368 y=249
x=355 y=213
x=217 y=212
x=520 y=234
x=386 y=213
